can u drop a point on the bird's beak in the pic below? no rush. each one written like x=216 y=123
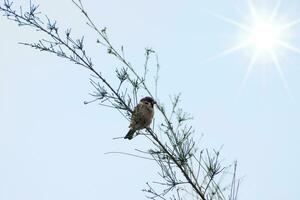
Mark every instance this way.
x=154 y=102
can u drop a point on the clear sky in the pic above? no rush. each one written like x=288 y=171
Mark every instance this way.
x=52 y=145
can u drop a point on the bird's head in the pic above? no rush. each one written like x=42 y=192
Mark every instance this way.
x=148 y=100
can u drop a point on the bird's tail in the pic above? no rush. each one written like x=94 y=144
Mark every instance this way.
x=130 y=134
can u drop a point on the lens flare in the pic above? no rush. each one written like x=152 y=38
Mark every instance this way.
x=265 y=36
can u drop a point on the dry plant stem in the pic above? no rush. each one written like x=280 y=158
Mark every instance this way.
x=85 y=63
x=90 y=67
x=109 y=45
x=194 y=186
x=177 y=136
x=194 y=183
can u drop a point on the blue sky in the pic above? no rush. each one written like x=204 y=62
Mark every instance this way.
x=52 y=145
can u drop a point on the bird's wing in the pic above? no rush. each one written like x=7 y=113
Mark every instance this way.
x=135 y=115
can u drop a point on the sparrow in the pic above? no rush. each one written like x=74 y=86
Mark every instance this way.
x=141 y=116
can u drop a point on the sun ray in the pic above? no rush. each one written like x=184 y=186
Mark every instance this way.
x=233 y=22
x=233 y=49
x=275 y=11
x=279 y=70
x=249 y=69
x=230 y=50
x=289 y=25
x=289 y=47
x=252 y=10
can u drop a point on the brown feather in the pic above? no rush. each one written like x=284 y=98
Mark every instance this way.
x=141 y=118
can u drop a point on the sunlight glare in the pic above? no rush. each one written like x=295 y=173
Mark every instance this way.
x=267 y=38
x=264 y=36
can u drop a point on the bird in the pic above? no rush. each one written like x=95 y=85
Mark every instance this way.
x=141 y=117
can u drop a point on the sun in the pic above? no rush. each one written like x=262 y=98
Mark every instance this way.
x=265 y=36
